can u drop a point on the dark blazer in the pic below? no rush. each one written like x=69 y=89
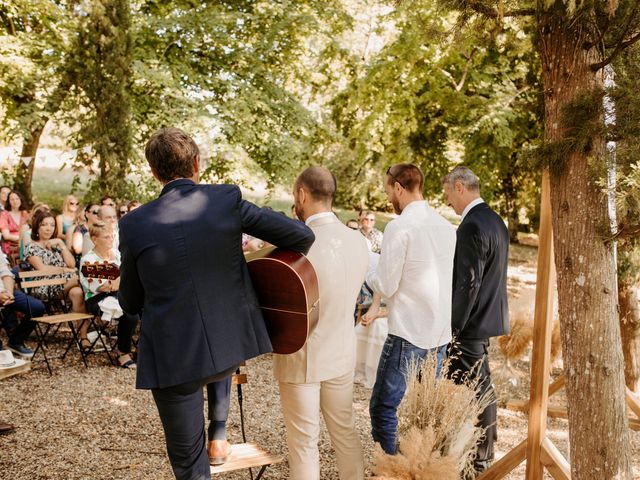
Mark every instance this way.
x=184 y=271
x=480 y=308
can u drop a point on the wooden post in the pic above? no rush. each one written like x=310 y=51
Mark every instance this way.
x=543 y=319
x=538 y=450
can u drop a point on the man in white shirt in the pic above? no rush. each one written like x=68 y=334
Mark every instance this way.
x=319 y=376
x=414 y=276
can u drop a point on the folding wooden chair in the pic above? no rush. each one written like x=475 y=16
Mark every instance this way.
x=246 y=455
x=57 y=313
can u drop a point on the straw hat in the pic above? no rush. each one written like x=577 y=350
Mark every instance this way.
x=7 y=360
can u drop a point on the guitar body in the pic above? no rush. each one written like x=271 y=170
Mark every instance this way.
x=287 y=289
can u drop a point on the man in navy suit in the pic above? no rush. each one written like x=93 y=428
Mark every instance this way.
x=479 y=303
x=184 y=271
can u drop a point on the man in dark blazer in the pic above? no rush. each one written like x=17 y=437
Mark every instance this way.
x=184 y=271
x=480 y=308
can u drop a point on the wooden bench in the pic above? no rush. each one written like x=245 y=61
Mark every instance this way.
x=246 y=454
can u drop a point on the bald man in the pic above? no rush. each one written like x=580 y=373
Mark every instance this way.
x=319 y=377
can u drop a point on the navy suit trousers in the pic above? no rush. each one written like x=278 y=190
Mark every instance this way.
x=181 y=412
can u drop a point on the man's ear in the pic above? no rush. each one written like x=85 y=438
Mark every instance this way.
x=302 y=195
x=459 y=187
x=196 y=164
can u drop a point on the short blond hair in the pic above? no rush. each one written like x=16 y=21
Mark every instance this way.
x=98 y=228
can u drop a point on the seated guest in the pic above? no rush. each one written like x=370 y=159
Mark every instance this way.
x=108 y=201
x=80 y=240
x=101 y=295
x=12 y=301
x=352 y=224
x=4 y=195
x=46 y=250
x=11 y=219
x=25 y=230
x=369 y=230
x=122 y=210
x=65 y=220
x=108 y=215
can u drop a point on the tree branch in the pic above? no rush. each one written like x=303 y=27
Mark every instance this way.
x=621 y=44
x=459 y=85
x=493 y=13
x=626 y=232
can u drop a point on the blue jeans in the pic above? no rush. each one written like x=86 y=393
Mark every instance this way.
x=30 y=307
x=390 y=386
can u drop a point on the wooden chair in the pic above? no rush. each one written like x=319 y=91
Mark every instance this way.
x=57 y=312
x=246 y=454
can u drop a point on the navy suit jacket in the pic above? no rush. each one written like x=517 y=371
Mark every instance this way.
x=184 y=271
x=480 y=309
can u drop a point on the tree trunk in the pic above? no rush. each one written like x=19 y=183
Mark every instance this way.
x=24 y=173
x=510 y=199
x=586 y=268
x=629 y=298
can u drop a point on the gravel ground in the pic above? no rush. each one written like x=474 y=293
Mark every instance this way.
x=91 y=423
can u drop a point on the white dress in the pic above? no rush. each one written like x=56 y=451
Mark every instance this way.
x=369 y=343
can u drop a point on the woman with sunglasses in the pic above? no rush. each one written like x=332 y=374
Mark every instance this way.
x=67 y=217
x=80 y=229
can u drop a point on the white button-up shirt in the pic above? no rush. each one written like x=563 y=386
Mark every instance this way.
x=415 y=275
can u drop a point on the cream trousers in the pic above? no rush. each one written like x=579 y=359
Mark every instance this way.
x=301 y=406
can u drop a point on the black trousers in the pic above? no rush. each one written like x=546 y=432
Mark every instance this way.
x=181 y=412
x=126 y=323
x=463 y=356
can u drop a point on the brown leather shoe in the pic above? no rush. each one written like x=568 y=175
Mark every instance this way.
x=6 y=428
x=219 y=451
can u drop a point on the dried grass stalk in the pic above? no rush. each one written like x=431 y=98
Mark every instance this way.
x=439 y=414
x=418 y=459
x=514 y=345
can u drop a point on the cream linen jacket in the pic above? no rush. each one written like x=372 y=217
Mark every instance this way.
x=340 y=258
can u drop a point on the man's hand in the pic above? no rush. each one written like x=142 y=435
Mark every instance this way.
x=371 y=315
x=6 y=298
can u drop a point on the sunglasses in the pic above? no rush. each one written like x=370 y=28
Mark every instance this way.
x=73 y=203
x=122 y=212
x=394 y=178
x=95 y=212
x=353 y=228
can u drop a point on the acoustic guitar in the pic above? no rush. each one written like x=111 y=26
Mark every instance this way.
x=103 y=270
x=287 y=289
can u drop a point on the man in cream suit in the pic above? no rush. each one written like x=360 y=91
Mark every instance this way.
x=320 y=375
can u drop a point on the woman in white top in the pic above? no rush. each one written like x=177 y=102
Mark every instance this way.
x=101 y=294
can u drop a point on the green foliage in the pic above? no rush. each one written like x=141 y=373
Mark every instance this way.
x=435 y=97
x=102 y=74
x=34 y=38
x=233 y=65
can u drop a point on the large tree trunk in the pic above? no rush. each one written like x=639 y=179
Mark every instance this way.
x=629 y=297
x=586 y=268
x=24 y=173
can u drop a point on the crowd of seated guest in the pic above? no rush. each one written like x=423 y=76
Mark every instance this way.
x=40 y=239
